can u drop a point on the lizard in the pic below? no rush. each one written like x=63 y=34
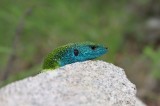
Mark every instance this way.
x=73 y=52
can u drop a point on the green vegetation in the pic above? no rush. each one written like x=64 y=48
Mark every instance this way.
x=155 y=59
x=31 y=29
x=53 y=23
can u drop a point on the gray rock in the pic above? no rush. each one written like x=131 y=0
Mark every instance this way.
x=89 y=83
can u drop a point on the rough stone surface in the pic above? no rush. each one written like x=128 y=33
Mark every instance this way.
x=89 y=83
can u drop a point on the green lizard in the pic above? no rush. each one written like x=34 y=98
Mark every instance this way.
x=73 y=52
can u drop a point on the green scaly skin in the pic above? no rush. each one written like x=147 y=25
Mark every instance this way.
x=73 y=52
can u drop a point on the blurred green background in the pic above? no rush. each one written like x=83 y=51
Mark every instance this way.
x=30 y=29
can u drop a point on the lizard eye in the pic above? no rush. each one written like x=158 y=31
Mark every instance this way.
x=76 y=52
x=93 y=47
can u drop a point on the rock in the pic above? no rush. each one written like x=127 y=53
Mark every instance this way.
x=89 y=83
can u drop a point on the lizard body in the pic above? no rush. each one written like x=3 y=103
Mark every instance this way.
x=73 y=52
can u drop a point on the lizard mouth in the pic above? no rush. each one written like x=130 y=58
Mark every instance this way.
x=96 y=53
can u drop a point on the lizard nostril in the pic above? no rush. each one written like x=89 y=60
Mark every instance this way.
x=106 y=47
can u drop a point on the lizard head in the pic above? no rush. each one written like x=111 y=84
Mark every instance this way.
x=73 y=52
x=83 y=51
